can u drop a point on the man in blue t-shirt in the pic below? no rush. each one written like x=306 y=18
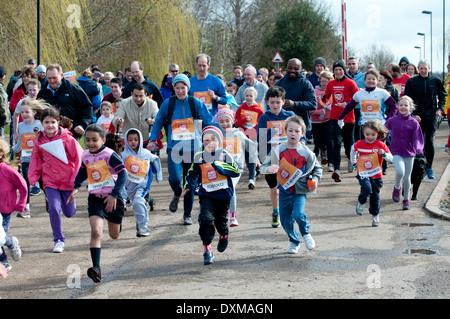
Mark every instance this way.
x=206 y=87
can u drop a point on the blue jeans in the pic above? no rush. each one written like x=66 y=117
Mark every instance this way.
x=292 y=209
x=251 y=167
x=370 y=187
x=176 y=168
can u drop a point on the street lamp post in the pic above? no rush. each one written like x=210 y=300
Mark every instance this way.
x=424 y=50
x=420 y=56
x=431 y=38
x=38 y=44
x=443 y=42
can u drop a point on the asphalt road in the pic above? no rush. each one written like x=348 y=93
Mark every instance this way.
x=407 y=256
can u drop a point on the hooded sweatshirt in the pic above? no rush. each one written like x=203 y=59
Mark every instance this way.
x=140 y=165
x=302 y=160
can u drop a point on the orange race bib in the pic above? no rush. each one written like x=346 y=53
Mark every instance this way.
x=99 y=175
x=251 y=118
x=211 y=179
x=287 y=174
x=136 y=169
x=399 y=87
x=233 y=146
x=106 y=124
x=205 y=98
x=369 y=165
x=370 y=106
x=183 y=129
x=27 y=143
x=280 y=133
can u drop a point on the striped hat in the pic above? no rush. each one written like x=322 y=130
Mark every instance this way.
x=226 y=112
x=212 y=129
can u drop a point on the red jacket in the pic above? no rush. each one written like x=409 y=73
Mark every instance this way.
x=18 y=94
x=243 y=121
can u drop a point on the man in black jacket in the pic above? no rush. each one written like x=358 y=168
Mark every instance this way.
x=69 y=98
x=429 y=95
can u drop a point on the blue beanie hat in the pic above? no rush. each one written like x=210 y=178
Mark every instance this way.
x=404 y=59
x=182 y=78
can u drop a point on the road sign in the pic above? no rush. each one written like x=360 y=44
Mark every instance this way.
x=277 y=58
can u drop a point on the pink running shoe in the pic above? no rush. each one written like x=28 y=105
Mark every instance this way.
x=396 y=194
x=405 y=204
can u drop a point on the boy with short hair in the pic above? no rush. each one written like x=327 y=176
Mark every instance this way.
x=215 y=167
x=298 y=172
x=271 y=133
x=140 y=164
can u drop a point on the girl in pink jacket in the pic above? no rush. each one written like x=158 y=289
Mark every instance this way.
x=11 y=183
x=56 y=158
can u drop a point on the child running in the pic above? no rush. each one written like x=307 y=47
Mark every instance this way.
x=298 y=172
x=406 y=142
x=373 y=100
x=247 y=116
x=3 y=270
x=140 y=164
x=107 y=116
x=106 y=176
x=27 y=130
x=367 y=156
x=214 y=167
x=11 y=183
x=271 y=133
x=56 y=157
x=234 y=142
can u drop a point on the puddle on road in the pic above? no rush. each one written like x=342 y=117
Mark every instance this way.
x=420 y=251
x=415 y=224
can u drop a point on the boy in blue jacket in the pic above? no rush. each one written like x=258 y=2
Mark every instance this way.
x=271 y=133
x=141 y=164
x=215 y=167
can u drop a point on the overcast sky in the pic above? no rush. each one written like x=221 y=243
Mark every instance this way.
x=395 y=24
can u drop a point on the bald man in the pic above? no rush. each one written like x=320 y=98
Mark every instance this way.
x=251 y=81
x=300 y=94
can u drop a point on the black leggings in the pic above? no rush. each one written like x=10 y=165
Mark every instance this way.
x=25 y=167
x=338 y=136
x=428 y=127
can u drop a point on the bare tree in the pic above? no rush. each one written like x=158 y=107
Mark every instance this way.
x=379 y=55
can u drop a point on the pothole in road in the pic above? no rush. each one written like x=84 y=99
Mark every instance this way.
x=420 y=251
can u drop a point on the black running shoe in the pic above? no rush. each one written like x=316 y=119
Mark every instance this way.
x=95 y=274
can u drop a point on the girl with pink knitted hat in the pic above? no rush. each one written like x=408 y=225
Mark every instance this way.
x=235 y=142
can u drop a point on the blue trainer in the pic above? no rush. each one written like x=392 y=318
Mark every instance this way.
x=35 y=191
x=208 y=257
x=430 y=173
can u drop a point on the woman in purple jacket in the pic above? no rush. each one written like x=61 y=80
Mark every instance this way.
x=406 y=142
